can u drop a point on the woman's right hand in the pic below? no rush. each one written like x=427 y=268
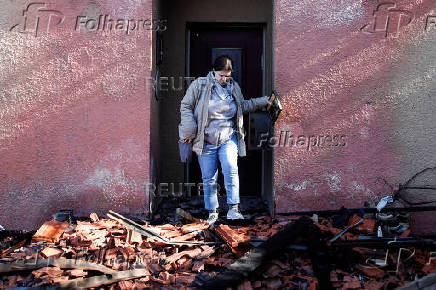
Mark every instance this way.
x=187 y=140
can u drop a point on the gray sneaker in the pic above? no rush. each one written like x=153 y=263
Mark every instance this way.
x=234 y=214
x=213 y=217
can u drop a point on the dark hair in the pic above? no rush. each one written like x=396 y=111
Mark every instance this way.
x=223 y=62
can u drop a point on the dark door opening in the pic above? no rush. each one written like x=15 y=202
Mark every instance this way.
x=244 y=44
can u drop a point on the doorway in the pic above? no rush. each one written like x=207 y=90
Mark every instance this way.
x=244 y=44
x=250 y=20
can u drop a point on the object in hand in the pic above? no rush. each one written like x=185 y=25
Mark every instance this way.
x=185 y=151
x=275 y=107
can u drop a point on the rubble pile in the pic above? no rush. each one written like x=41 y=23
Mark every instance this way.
x=287 y=252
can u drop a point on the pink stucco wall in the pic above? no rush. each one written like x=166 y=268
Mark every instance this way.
x=77 y=118
x=75 y=111
x=374 y=88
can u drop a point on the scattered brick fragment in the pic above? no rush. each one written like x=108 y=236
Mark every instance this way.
x=50 y=271
x=134 y=237
x=194 y=227
x=367 y=226
x=352 y=285
x=94 y=217
x=371 y=271
x=50 y=231
x=77 y=273
x=50 y=252
x=231 y=236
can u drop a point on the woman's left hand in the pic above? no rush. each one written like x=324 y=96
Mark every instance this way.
x=270 y=101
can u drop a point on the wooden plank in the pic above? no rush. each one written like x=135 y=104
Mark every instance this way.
x=101 y=280
x=61 y=263
x=149 y=232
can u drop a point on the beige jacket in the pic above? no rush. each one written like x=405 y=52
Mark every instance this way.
x=194 y=111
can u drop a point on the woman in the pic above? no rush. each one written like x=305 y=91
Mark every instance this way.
x=211 y=118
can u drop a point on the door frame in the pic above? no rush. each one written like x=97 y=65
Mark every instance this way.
x=267 y=192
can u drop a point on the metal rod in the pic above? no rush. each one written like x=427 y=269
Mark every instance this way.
x=358 y=210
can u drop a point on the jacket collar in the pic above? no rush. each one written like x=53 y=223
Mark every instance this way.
x=211 y=77
x=210 y=83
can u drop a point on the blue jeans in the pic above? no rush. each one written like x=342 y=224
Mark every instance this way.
x=227 y=153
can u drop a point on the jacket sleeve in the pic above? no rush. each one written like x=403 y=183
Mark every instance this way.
x=252 y=104
x=188 y=122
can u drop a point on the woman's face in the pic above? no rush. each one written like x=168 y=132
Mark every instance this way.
x=222 y=76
